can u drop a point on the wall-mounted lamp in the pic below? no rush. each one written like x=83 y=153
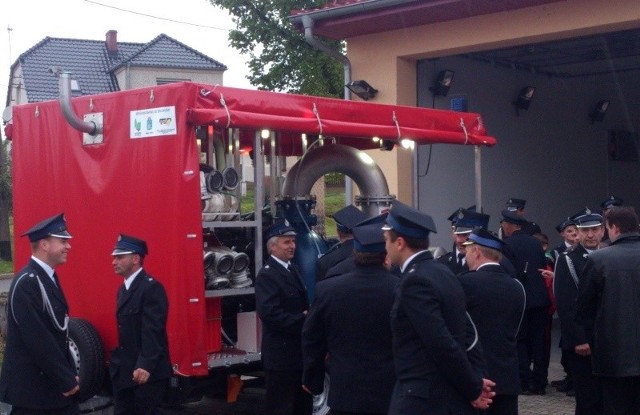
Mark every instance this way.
x=524 y=98
x=362 y=89
x=599 y=111
x=442 y=83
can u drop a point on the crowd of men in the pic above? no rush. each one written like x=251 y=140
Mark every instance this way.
x=401 y=332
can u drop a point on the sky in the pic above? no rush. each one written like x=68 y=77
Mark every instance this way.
x=196 y=23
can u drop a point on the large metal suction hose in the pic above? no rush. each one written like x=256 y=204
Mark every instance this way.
x=356 y=164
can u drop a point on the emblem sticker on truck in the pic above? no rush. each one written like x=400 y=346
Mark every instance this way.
x=153 y=122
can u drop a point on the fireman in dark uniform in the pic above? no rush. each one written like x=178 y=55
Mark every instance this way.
x=576 y=337
x=349 y=320
x=281 y=303
x=434 y=373
x=38 y=374
x=463 y=221
x=139 y=367
x=346 y=218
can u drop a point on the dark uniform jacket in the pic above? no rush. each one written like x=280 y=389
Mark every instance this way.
x=335 y=255
x=559 y=250
x=608 y=295
x=496 y=301
x=342 y=267
x=349 y=319
x=527 y=256
x=37 y=367
x=450 y=259
x=429 y=325
x=281 y=299
x=142 y=337
x=565 y=289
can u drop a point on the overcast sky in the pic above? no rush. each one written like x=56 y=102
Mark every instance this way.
x=196 y=23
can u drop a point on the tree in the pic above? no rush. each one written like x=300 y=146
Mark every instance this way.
x=279 y=57
x=5 y=201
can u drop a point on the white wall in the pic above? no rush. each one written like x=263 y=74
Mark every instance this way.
x=138 y=77
x=550 y=155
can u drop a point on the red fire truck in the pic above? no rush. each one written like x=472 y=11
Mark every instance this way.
x=163 y=163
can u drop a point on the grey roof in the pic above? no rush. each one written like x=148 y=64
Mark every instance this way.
x=93 y=67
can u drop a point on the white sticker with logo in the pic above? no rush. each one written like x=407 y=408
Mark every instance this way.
x=153 y=122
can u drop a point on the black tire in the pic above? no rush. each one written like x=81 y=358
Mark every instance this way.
x=88 y=354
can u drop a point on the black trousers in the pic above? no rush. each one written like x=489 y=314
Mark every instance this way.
x=140 y=400
x=355 y=413
x=73 y=409
x=621 y=396
x=284 y=393
x=587 y=386
x=531 y=349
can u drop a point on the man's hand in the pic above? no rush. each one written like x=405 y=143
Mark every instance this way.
x=73 y=391
x=485 y=399
x=583 y=349
x=140 y=376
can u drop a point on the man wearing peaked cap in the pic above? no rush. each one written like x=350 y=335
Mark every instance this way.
x=54 y=226
x=462 y=224
x=279 y=228
x=496 y=303
x=346 y=218
x=348 y=264
x=281 y=303
x=610 y=202
x=528 y=257
x=516 y=205
x=348 y=312
x=139 y=367
x=567 y=229
x=429 y=326
x=38 y=374
x=575 y=338
x=130 y=245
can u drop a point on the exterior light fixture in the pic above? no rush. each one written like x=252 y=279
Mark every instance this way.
x=599 y=111
x=362 y=89
x=407 y=144
x=442 y=83
x=524 y=98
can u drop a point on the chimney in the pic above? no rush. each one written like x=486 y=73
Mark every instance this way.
x=112 y=41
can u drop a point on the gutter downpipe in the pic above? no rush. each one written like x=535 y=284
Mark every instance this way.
x=308 y=23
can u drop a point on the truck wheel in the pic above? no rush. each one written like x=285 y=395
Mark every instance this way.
x=88 y=355
x=320 y=401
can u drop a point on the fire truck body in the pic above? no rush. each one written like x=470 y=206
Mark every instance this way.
x=141 y=172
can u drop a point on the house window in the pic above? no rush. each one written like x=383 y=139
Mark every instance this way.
x=163 y=81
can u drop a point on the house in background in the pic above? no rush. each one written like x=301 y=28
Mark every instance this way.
x=106 y=66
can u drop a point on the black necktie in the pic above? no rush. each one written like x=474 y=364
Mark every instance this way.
x=460 y=256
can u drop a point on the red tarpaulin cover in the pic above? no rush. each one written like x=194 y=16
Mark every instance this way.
x=149 y=187
x=232 y=107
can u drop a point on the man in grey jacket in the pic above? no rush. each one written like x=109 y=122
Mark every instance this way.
x=609 y=297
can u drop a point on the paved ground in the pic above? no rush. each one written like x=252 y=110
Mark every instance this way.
x=554 y=402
